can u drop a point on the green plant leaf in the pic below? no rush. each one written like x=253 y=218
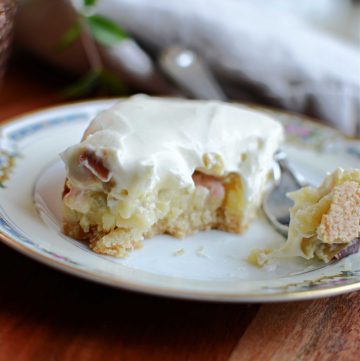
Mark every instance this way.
x=112 y=84
x=83 y=86
x=105 y=31
x=89 y=2
x=70 y=35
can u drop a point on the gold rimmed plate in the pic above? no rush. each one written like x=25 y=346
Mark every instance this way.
x=207 y=266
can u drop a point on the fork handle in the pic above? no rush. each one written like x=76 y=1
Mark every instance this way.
x=285 y=166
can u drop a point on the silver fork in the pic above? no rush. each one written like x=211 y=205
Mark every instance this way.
x=275 y=203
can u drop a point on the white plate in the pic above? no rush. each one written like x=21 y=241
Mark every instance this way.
x=206 y=266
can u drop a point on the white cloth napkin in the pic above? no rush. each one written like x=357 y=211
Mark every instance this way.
x=257 y=53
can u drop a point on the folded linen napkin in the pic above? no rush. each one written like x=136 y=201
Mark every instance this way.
x=257 y=53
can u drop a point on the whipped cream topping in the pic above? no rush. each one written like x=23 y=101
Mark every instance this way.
x=148 y=144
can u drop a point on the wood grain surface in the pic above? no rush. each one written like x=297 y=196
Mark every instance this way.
x=47 y=315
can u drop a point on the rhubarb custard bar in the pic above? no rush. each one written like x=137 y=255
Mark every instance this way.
x=152 y=165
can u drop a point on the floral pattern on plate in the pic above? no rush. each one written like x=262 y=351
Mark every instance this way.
x=298 y=132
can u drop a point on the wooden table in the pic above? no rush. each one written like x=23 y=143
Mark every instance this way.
x=47 y=315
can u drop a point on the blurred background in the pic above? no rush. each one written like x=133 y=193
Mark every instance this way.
x=301 y=56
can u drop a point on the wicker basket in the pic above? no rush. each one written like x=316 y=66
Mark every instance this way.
x=7 y=14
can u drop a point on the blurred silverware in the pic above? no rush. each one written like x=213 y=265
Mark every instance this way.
x=188 y=71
